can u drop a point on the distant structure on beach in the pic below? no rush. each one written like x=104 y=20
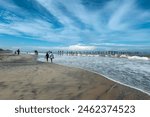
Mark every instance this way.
x=60 y=53
x=98 y=53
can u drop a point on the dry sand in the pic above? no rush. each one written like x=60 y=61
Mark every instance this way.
x=22 y=77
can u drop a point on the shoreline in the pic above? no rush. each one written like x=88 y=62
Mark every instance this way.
x=108 y=78
x=27 y=78
x=104 y=77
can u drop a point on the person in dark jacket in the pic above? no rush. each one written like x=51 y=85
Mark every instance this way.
x=18 y=52
x=47 y=56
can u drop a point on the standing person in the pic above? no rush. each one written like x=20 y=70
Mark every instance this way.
x=18 y=51
x=36 y=52
x=51 y=56
x=47 y=56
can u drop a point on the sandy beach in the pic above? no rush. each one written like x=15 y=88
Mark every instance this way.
x=23 y=78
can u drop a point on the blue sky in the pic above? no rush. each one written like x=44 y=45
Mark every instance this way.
x=75 y=24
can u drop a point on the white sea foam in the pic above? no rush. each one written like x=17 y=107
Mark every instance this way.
x=134 y=73
x=138 y=58
x=123 y=56
x=134 y=57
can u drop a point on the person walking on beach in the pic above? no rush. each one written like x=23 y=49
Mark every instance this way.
x=47 y=56
x=51 y=56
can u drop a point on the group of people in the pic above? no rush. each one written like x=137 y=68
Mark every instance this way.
x=49 y=55
x=17 y=52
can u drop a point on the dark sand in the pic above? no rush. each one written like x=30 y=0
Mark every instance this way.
x=22 y=77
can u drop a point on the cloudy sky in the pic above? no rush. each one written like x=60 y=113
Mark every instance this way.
x=75 y=24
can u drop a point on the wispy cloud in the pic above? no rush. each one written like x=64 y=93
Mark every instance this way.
x=77 y=47
x=70 y=22
x=118 y=19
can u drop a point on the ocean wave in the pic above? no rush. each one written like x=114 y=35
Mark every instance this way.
x=134 y=57
x=138 y=58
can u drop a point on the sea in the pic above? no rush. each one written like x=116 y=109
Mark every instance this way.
x=130 y=71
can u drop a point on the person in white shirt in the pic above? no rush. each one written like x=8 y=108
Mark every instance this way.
x=51 y=56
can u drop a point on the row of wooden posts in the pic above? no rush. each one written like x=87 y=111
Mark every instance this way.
x=101 y=53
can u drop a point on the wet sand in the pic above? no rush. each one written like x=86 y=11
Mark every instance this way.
x=22 y=77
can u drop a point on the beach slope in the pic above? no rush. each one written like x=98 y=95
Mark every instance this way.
x=22 y=77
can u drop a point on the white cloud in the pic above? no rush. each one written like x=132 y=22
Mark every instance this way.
x=51 y=6
x=111 y=23
x=81 y=47
x=39 y=29
x=117 y=21
x=5 y=29
x=118 y=45
x=77 y=47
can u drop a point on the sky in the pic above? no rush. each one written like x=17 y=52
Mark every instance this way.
x=75 y=24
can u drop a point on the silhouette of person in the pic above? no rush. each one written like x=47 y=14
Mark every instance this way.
x=51 y=56
x=18 y=51
x=47 y=56
x=36 y=52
